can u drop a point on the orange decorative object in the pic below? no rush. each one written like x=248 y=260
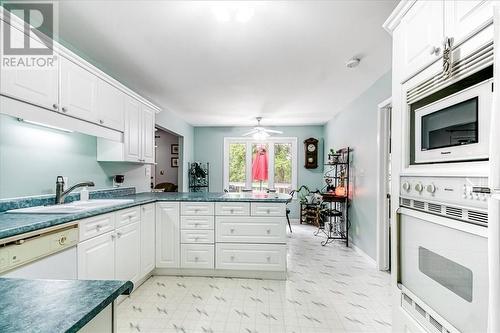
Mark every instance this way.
x=340 y=191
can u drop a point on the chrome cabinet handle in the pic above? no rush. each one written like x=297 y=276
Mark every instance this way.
x=268 y=211
x=268 y=259
x=232 y=257
x=119 y=234
x=101 y=121
x=232 y=231
x=113 y=237
x=98 y=227
x=195 y=258
x=231 y=211
x=64 y=109
x=268 y=231
x=55 y=106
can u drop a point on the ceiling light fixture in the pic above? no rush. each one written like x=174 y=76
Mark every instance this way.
x=44 y=125
x=353 y=62
x=261 y=133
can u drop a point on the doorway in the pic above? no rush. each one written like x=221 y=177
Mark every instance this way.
x=165 y=175
x=384 y=185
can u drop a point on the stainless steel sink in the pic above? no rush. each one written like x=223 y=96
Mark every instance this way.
x=71 y=208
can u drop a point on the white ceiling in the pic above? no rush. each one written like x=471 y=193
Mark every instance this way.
x=285 y=63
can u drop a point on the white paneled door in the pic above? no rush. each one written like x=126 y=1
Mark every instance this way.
x=132 y=136
x=147 y=238
x=148 y=135
x=128 y=248
x=96 y=258
x=167 y=235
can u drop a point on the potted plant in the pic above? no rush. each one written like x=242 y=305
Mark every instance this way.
x=333 y=156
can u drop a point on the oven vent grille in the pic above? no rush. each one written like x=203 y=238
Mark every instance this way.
x=435 y=208
x=480 y=217
x=423 y=317
x=454 y=212
x=462 y=214
x=481 y=58
x=418 y=204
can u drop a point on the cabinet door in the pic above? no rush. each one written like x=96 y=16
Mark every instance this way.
x=128 y=248
x=132 y=133
x=36 y=86
x=148 y=135
x=110 y=106
x=167 y=235
x=78 y=91
x=96 y=258
x=465 y=17
x=147 y=239
x=421 y=34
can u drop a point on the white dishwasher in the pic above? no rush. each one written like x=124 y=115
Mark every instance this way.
x=44 y=255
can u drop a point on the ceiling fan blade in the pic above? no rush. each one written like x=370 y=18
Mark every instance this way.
x=250 y=133
x=273 y=131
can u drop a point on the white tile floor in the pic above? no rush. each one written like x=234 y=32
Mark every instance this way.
x=329 y=289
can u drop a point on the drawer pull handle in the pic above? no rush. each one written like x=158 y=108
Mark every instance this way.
x=113 y=237
x=63 y=240
x=232 y=231
x=232 y=258
x=119 y=234
x=232 y=211
x=268 y=211
x=268 y=231
x=196 y=211
x=98 y=227
x=196 y=225
x=195 y=258
x=196 y=239
x=268 y=259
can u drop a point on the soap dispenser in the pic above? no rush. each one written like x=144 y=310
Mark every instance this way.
x=84 y=194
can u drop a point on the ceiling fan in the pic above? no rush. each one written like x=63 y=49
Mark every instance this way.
x=260 y=132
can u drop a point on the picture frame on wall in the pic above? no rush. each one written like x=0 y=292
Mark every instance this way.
x=174 y=149
x=174 y=162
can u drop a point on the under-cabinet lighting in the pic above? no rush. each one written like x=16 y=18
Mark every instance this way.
x=44 y=125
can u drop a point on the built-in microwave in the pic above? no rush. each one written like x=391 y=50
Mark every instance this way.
x=454 y=128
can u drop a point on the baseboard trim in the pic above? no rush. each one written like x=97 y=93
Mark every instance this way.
x=362 y=253
x=268 y=275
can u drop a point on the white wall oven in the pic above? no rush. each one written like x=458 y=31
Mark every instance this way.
x=443 y=252
x=452 y=124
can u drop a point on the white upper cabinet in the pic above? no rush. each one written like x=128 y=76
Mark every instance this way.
x=148 y=135
x=420 y=36
x=132 y=135
x=167 y=235
x=37 y=86
x=78 y=91
x=110 y=106
x=464 y=18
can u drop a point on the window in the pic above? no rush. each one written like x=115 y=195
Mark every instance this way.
x=250 y=164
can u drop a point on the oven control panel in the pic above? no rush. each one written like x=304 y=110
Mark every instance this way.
x=460 y=191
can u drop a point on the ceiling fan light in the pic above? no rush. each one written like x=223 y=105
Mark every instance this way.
x=260 y=135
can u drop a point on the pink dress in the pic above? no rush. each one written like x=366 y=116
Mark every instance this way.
x=259 y=165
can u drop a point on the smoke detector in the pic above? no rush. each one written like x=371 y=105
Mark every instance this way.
x=353 y=62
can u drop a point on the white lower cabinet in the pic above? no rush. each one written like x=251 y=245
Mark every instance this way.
x=197 y=256
x=257 y=257
x=128 y=253
x=167 y=235
x=147 y=239
x=96 y=258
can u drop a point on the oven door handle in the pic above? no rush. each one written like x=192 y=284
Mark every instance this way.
x=398 y=247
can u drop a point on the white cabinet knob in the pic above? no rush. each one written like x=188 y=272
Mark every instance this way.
x=195 y=258
x=232 y=231
x=434 y=50
x=268 y=211
x=268 y=259
x=232 y=258
x=64 y=109
x=55 y=106
x=196 y=239
x=98 y=227
x=118 y=234
x=231 y=211
x=268 y=231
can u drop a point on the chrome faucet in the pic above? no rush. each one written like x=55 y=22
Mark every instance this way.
x=61 y=193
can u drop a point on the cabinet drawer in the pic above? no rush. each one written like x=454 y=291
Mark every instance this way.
x=197 y=222
x=197 y=208
x=232 y=208
x=97 y=225
x=197 y=236
x=127 y=216
x=250 y=229
x=258 y=257
x=197 y=256
x=268 y=209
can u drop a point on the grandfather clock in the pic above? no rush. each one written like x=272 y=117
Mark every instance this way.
x=311 y=153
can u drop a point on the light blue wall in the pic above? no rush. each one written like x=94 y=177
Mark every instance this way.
x=356 y=126
x=31 y=157
x=209 y=147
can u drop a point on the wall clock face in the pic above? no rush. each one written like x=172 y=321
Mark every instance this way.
x=311 y=147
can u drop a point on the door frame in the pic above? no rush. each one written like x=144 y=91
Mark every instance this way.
x=383 y=164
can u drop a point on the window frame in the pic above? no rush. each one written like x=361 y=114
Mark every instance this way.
x=248 y=141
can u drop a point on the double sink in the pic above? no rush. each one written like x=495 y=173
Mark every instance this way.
x=72 y=207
